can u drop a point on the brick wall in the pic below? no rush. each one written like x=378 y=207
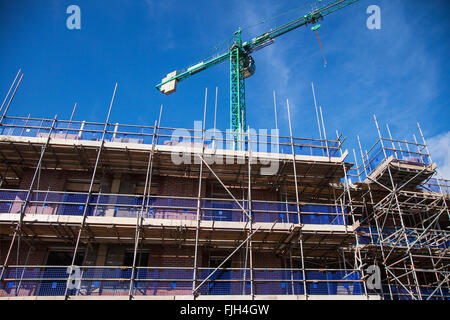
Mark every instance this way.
x=182 y=187
x=36 y=257
x=268 y=195
x=171 y=256
x=52 y=180
x=55 y=180
x=267 y=260
x=215 y=190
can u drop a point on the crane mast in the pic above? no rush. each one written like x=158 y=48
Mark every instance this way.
x=238 y=121
x=242 y=64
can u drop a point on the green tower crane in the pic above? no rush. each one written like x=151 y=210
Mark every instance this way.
x=242 y=64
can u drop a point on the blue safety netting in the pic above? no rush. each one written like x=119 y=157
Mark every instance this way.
x=334 y=282
x=67 y=203
x=10 y=201
x=317 y=214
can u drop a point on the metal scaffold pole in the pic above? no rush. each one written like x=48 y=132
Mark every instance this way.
x=91 y=185
x=294 y=163
x=70 y=120
x=199 y=201
x=252 y=289
x=357 y=253
x=317 y=113
x=400 y=215
x=9 y=91
x=144 y=206
x=302 y=259
x=380 y=235
x=297 y=200
x=113 y=192
x=11 y=98
x=19 y=226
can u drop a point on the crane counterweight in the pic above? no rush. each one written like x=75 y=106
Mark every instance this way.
x=171 y=86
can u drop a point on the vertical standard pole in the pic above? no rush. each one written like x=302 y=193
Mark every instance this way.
x=293 y=162
x=424 y=142
x=139 y=217
x=159 y=123
x=148 y=195
x=23 y=269
x=428 y=153
x=317 y=113
x=44 y=147
x=380 y=137
x=407 y=147
x=116 y=126
x=394 y=192
x=199 y=201
x=291 y=271
x=70 y=121
x=252 y=292
x=215 y=118
x=9 y=91
x=431 y=161
x=418 y=149
x=356 y=163
x=392 y=141
x=286 y=206
x=300 y=240
x=27 y=199
x=26 y=123
x=275 y=106
x=339 y=141
x=362 y=156
x=86 y=204
x=297 y=197
x=11 y=99
x=73 y=112
x=324 y=132
x=244 y=284
x=358 y=258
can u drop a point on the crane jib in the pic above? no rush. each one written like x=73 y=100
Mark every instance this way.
x=195 y=69
x=242 y=65
x=265 y=39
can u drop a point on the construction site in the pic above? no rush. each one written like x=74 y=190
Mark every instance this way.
x=103 y=210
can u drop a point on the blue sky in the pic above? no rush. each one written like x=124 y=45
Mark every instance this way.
x=400 y=73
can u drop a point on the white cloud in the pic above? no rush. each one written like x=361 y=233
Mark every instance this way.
x=439 y=147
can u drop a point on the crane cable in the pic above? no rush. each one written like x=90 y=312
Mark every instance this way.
x=323 y=54
x=228 y=40
x=221 y=43
x=277 y=16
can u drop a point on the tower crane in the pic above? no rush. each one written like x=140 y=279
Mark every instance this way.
x=242 y=64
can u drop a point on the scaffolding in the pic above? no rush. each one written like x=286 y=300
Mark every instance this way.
x=407 y=217
x=323 y=227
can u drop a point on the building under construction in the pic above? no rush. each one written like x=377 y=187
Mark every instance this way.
x=102 y=210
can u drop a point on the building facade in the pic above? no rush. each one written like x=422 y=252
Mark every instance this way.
x=102 y=210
